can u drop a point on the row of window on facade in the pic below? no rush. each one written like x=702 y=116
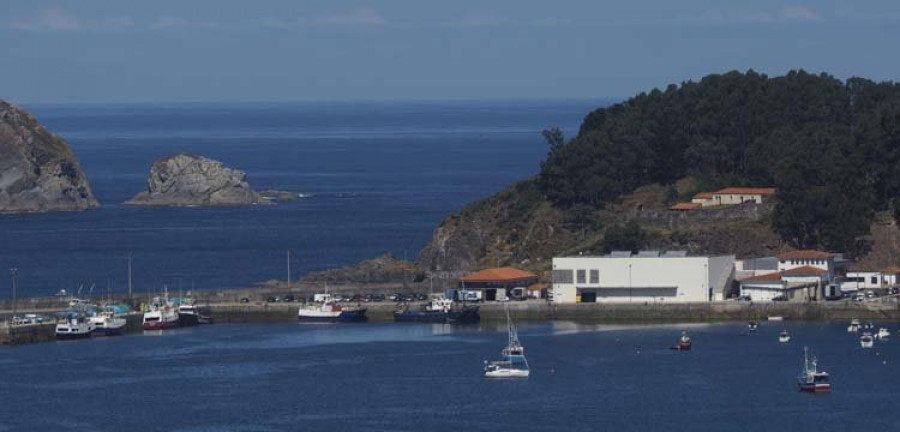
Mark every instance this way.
x=806 y=262
x=580 y=276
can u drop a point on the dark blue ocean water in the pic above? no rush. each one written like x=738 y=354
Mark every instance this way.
x=380 y=177
x=395 y=377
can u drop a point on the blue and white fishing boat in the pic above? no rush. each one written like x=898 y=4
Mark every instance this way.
x=106 y=323
x=329 y=311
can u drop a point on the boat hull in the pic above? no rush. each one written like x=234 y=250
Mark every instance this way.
x=815 y=388
x=437 y=317
x=159 y=325
x=507 y=373
x=358 y=315
x=466 y=315
x=109 y=331
x=188 y=319
x=72 y=336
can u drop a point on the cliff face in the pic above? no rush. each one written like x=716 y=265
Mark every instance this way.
x=38 y=170
x=513 y=227
x=191 y=180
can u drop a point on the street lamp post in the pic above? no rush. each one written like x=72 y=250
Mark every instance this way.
x=629 y=283
x=13 y=272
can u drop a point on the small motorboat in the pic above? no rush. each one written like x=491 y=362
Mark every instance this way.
x=866 y=340
x=752 y=326
x=853 y=327
x=811 y=379
x=684 y=343
x=784 y=337
x=883 y=333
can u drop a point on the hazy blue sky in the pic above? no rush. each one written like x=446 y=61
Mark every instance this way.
x=267 y=50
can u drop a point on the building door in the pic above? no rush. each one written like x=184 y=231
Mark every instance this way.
x=490 y=295
x=589 y=297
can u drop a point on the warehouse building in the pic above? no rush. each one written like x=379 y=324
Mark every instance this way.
x=499 y=283
x=648 y=276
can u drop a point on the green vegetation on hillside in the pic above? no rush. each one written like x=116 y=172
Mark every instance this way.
x=832 y=149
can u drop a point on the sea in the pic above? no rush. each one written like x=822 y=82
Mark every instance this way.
x=376 y=178
x=422 y=377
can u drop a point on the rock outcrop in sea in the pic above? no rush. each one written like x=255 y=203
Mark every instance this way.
x=38 y=170
x=192 y=180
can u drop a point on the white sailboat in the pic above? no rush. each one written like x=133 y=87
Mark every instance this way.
x=512 y=363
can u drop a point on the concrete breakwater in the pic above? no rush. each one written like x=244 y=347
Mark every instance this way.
x=597 y=313
x=43 y=332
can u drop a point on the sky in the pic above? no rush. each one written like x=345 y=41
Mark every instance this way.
x=102 y=51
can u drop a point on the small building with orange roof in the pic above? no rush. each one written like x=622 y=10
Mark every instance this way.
x=681 y=207
x=497 y=283
x=741 y=195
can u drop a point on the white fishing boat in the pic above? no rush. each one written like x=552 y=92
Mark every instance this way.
x=784 y=337
x=853 y=327
x=883 y=333
x=74 y=326
x=866 y=340
x=512 y=363
x=106 y=323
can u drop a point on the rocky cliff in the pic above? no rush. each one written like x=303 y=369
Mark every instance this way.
x=38 y=170
x=191 y=180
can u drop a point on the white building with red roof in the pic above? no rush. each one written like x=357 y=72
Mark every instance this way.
x=798 y=273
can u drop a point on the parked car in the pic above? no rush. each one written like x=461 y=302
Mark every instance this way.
x=245 y=300
x=356 y=298
x=422 y=297
x=859 y=298
x=870 y=294
x=378 y=298
x=745 y=298
x=288 y=298
x=779 y=298
x=271 y=299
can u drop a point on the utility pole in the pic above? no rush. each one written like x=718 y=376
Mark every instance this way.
x=129 y=277
x=13 y=272
x=289 y=269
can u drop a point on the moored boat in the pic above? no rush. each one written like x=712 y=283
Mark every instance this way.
x=329 y=311
x=162 y=314
x=811 y=379
x=74 y=326
x=189 y=315
x=752 y=326
x=784 y=337
x=106 y=323
x=883 y=333
x=866 y=340
x=440 y=310
x=512 y=363
x=684 y=343
x=853 y=327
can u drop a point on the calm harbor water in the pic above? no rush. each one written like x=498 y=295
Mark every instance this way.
x=390 y=377
x=380 y=177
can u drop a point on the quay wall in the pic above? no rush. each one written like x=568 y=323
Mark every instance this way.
x=602 y=313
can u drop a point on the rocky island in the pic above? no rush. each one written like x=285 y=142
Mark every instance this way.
x=38 y=170
x=192 y=180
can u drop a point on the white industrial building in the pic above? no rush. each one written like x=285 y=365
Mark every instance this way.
x=866 y=280
x=648 y=276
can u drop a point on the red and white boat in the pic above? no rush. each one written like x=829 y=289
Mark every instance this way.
x=811 y=379
x=163 y=314
x=684 y=343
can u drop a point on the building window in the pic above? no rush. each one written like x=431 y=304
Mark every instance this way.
x=579 y=278
x=874 y=280
x=595 y=276
x=562 y=276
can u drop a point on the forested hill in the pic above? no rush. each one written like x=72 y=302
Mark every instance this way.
x=830 y=147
